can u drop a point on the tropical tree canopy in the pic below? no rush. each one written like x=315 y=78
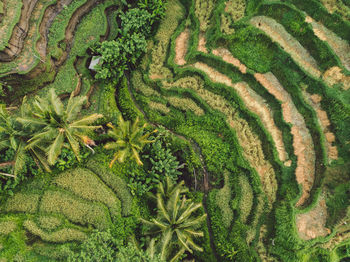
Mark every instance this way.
x=12 y=137
x=57 y=126
x=129 y=140
x=175 y=224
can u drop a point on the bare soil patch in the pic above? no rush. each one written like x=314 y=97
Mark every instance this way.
x=181 y=45
x=302 y=140
x=278 y=34
x=312 y=224
x=339 y=46
x=49 y=15
x=201 y=44
x=19 y=33
x=249 y=141
x=314 y=100
x=227 y=57
x=335 y=76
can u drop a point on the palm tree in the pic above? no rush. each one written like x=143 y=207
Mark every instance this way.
x=11 y=137
x=129 y=140
x=175 y=223
x=58 y=126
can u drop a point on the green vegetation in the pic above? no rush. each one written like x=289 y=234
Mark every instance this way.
x=129 y=140
x=208 y=130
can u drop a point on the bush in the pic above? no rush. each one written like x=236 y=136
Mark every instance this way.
x=104 y=246
x=156 y=8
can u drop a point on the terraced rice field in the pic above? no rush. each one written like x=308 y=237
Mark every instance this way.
x=259 y=89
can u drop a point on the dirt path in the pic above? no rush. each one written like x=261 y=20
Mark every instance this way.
x=249 y=141
x=339 y=46
x=312 y=224
x=181 y=45
x=50 y=13
x=201 y=43
x=11 y=14
x=334 y=75
x=70 y=29
x=254 y=103
x=290 y=45
x=314 y=101
x=302 y=140
x=19 y=33
x=228 y=58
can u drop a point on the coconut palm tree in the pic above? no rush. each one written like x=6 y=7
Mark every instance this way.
x=58 y=126
x=11 y=137
x=129 y=140
x=14 y=136
x=175 y=224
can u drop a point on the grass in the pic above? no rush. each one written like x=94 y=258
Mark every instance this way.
x=87 y=185
x=76 y=210
x=22 y=202
x=60 y=236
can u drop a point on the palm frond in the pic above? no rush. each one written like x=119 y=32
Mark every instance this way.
x=40 y=157
x=29 y=121
x=87 y=120
x=190 y=209
x=74 y=106
x=165 y=241
x=136 y=156
x=194 y=222
x=178 y=255
x=161 y=207
x=182 y=239
x=56 y=102
x=55 y=148
x=194 y=245
x=19 y=159
x=74 y=144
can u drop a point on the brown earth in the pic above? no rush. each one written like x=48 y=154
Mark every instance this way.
x=340 y=47
x=302 y=140
x=19 y=33
x=227 y=57
x=181 y=45
x=312 y=224
x=278 y=34
x=334 y=76
x=201 y=44
x=314 y=100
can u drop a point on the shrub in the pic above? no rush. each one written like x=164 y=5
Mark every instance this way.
x=104 y=246
x=156 y=8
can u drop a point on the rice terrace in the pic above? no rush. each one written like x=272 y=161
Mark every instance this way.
x=175 y=130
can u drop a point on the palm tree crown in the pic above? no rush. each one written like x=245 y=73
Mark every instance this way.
x=175 y=223
x=129 y=140
x=58 y=125
x=12 y=137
